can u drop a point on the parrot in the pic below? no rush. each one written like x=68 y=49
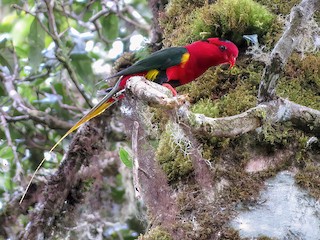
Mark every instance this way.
x=170 y=67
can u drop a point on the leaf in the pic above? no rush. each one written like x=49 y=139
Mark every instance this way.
x=125 y=158
x=110 y=26
x=84 y=70
x=3 y=40
x=6 y=59
x=36 y=42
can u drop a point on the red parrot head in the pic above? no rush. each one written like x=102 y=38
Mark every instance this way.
x=228 y=51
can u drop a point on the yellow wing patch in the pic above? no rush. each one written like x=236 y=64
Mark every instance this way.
x=152 y=74
x=184 y=59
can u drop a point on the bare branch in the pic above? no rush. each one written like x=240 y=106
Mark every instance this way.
x=305 y=118
x=17 y=118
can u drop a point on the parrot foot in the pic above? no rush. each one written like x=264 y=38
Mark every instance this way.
x=167 y=85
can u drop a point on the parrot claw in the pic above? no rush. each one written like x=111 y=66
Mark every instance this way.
x=167 y=85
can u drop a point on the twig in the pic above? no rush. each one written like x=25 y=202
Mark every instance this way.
x=60 y=52
x=10 y=119
x=35 y=77
x=5 y=126
x=15 y=6
x=99 y=14
x=66 y=106
x=135 y=134
x=138 y=22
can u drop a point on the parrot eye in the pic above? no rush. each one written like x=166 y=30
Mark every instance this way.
x=222 y=48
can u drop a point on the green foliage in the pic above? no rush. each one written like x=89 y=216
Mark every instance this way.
x=36 y=41
x=110 y=26
x=57 y=60
x=6 y=58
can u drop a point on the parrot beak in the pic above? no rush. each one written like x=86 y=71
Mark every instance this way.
x=232 y=61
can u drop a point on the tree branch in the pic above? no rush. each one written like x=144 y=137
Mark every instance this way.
x=23 y=108
x=224 y=127
x=153 y=93
x=279 y=110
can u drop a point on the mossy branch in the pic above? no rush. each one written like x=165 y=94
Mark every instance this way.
x=279 y=110
x=227 y=126
x=291 y=38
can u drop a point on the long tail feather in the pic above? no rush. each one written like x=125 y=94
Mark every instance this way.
x=104 y=104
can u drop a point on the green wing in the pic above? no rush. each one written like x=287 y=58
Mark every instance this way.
x=160 y=60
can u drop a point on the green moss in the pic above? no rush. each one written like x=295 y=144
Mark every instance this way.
x=265 y=238
x=232 y=19
x=206 y=107
x=230 y=234
x=207 y=152
x=173 y=158
x=175 y=21
x=175 y=7
x=308 y=178
x=279 y=6
x=156 y=233
x=301 y=81
x=278 y=135
x=238 y=100
x=203 y=87
x=229 y=19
